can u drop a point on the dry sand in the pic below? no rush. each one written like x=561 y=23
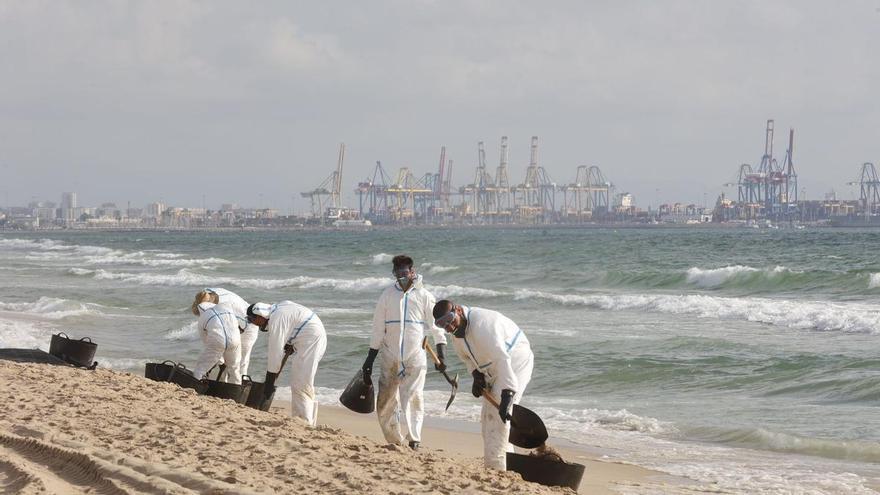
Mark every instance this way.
x=69 y=431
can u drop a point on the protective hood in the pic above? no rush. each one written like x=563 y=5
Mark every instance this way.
x=262 y=309
x=205 y=306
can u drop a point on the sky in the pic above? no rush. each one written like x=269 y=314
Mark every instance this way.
x=210 y=102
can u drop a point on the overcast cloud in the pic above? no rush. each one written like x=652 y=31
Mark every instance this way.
x=247 y=101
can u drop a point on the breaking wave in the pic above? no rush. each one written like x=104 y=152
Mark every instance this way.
x=143 y=259
x=186 y=277
x=24 y=335
x=447 y=291
x=849 y=317
x=717 y=276
x=52 y=308
x=759 y=438
x=433 y=269
x=49 y=250
x=187 y=332
x=739 y=278
x=382 y=258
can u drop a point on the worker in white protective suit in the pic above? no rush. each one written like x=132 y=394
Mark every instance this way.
x=249 y=332
x=218 y=328
x=499 y=357
x=299 y=329
x=401 y=318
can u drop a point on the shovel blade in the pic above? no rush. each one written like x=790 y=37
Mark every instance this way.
x=454 y=384
x=527 y=431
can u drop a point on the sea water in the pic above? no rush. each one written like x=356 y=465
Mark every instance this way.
x=744 y=359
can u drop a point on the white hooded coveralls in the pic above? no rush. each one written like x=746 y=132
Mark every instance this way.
x=293 y=323
x=496 y=346
x=402 y=366
x=251 y=331
x=218 y=328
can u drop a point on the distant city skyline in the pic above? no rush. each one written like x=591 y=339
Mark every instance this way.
x=145 y=101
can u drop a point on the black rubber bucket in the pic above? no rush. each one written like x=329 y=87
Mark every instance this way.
x=255 y=397
x=76 y=352
x=546 y=472
x=169 y=371
x=223 y=390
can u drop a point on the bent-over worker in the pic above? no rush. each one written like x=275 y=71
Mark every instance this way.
x=294 y=325
x=500 y=359
x=218 y=328
x=249 y=332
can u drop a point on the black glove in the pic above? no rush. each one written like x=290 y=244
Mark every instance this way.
x=441 y=355
x=368 y=364
x=269 y=384
x=504 y=406
x=479 y=383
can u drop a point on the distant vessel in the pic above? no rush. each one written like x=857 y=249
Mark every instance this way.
x=352 y=223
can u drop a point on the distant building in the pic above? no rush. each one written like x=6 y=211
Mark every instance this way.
x=68 y=200
x=154 y=210
x=108 y=210
x=68 y=207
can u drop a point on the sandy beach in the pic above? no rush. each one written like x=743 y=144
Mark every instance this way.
x=65 y=430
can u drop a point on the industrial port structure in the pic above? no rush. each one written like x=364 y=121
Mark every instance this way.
x=766 y=191
x=489 y=197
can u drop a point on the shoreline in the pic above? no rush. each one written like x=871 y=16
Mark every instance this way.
x=462 y=440
x=68 y=430
x=706 y=226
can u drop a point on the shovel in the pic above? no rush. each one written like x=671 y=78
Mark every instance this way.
x=453 y=382
x=527 y=431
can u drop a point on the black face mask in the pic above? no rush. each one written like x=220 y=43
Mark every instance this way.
x=459 y=332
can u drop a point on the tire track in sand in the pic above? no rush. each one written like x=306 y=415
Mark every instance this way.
x=34 y=465
x=29 y=465
x=13 y=478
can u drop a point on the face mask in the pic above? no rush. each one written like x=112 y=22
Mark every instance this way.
x=403 y=276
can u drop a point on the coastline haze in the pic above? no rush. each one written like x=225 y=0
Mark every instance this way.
x=144 y=102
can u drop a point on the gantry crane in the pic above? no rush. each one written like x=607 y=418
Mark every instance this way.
x=328 y=193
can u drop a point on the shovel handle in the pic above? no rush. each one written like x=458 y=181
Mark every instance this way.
x=491 y=398
x=430 y=351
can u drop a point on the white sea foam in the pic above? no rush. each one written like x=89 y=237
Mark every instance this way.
x=847 y=317
x=716 y=276
x=188 y=332
x=874 y=281
x=49 y=250
x=121 y=364
x=582 y=419
x=382 y=258
x=142 y=259
x=186 y=277
x=19 y=334
x=447 y=291
x=80 y=271
x=52 y=308
x=432 y=269
x=183 y=277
